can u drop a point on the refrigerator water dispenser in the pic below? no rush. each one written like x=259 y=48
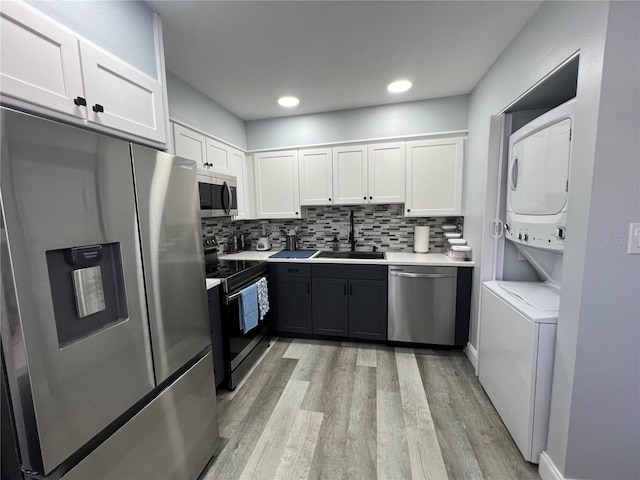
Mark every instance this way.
x=87 y=289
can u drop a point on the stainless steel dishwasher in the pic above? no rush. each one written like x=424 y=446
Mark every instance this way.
x=422 y=304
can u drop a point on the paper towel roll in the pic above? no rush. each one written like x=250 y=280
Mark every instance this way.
x=421 y=239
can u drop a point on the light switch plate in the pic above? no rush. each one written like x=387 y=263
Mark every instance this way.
x=634 y=238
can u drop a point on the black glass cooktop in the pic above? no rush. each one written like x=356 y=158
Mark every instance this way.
x=228 y=268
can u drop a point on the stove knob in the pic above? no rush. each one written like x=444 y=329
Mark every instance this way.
x=507 y=227
x=561 y=232
x=526 y=237
x=519 y=236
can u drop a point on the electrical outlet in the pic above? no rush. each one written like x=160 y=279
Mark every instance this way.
x=634 y=238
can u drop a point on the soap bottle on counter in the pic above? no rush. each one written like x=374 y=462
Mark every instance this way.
x=335 y=243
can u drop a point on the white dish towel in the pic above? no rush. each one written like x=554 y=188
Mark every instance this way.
x=263 y=297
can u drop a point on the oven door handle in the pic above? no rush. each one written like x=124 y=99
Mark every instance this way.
x=228 y=299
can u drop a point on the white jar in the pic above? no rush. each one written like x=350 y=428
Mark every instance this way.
x=460 y=252
x=451 y=242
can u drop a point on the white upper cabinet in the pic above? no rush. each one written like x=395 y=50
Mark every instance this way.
x=277 y=192
x=240 y=167
x=218 y=156
x=386 y=172
x=120 y=96
x=350 y=175
x=434 y=177
x=190 y=144
x=39 y=61
x=46 y=67
x=316 y=179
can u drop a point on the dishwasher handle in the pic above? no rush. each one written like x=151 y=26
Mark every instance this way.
x=421 y=275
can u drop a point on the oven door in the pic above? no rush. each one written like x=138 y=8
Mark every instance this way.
x=241 y=349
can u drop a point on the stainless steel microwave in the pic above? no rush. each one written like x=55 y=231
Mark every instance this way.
x=218 y=195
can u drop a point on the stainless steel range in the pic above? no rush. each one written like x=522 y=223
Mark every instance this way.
x=240 y=350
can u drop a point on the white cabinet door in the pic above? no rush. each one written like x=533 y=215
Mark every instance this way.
x=316 y=179
x=218 y=155
x=238 y=168
x=434 y=177
x=189 y=144
x=39 y=61
x=277 y=184
x=120 y=96
x=350 y=175
x=386 y=172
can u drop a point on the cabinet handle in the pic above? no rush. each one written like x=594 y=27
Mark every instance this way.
x=80 y=101
x=98 y=108
x=329 y=199
x=408 y=209
x=370 y=198
x=292 y=270
x=296 y=213
x=365 y=198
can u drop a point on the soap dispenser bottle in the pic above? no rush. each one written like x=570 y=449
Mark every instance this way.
x=335 y=243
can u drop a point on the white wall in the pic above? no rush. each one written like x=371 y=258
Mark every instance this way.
x=594 y=429
x=409 y=118
x=192 y=107
x=124 y=28
x=602 y=436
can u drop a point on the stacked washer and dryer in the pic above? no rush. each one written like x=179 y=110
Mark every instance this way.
x=518 y=320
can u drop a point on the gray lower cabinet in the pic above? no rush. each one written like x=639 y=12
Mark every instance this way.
x=350 y=301
x=368 y=309
x=347 y=301
x=292 y=284
x=330 y=306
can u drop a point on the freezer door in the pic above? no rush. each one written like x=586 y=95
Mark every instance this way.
x=70 y=375
x=169 y=212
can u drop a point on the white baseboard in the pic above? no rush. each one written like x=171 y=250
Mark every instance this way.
x=472 y=355
x=547 y=469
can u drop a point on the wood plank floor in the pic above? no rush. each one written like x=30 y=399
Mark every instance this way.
x=330 y=410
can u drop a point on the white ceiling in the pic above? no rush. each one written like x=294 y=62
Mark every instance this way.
x=333 y=55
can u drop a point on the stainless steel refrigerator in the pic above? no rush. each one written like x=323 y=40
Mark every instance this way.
x=105 y=337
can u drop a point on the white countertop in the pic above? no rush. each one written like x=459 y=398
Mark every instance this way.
x=212 y=282
x=392 y=258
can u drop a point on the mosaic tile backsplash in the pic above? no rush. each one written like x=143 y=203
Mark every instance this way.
x=383 y=226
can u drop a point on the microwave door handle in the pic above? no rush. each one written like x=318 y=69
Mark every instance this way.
x=226 y=202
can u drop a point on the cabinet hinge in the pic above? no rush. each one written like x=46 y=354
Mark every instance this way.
x=566 y=186
x=570 y=133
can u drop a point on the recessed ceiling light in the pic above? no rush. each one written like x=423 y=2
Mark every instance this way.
x=288 y=101
x=399 y=86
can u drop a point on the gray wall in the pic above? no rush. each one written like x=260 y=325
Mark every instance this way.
x=409 y=118
x=594 y=428
x=603 y=435
x=190 y=106
x=123 y=28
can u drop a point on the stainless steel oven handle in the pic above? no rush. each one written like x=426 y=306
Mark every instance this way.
x=230 y=298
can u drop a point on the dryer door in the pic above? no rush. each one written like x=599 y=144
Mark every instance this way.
x=539 y=171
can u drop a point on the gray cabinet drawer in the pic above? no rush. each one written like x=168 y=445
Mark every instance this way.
x=292 y=269
x=371 y=272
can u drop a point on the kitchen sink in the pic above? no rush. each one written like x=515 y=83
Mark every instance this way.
x=354 y=255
